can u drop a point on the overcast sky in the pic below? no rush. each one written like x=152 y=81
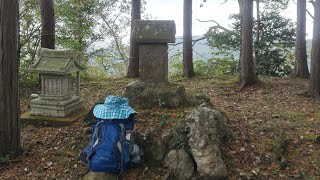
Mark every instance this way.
x=212 y=10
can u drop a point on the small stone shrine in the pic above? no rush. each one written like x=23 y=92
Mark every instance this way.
x=55 y=68
x=153 y=89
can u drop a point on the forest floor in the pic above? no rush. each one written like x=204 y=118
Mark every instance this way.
x=274 y=127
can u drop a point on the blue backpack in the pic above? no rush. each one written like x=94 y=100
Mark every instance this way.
x=111 y=148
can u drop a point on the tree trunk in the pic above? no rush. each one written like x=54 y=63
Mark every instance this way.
x=48 y=24
x=301 y=63
x=248 y=76
x=258 y=21
x=256 y=49
x=133 y=67
x=9 y=67
x=187 y=39
x=314 y=86
x=240 y=2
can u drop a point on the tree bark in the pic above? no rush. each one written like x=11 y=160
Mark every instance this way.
x=248 y=76
x=301 y=63
x=314 y=86
x=258 y=21
x=133 y=67
x=47 y=24
x=240 y=2
x=256 y=51
x=187 y=39
x=9 y=67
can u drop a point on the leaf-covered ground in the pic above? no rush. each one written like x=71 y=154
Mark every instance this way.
x=274 y=132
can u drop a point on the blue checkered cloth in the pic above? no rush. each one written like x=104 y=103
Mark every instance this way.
x=113 y=108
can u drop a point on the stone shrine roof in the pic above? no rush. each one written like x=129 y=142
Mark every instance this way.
x=53 y=61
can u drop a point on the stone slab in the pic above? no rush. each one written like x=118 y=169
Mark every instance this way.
x=154 y=31
x=148 y=95
x=153 y=63
x=50 y=108
x=28 y=119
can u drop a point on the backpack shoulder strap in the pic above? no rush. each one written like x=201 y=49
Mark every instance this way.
x=95 y=139
x=122 y=138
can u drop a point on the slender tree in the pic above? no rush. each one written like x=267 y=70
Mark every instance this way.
x=133 y=67
x=187 y=39
x=247 y=69
x=314 y=86
x=256 y=51
x=9 y=67
x=301 y=63
x=48 y=24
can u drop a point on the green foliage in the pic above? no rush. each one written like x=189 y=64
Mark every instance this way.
x=29 y=80
x=273 y=50
x=274 y=47
x=175 y=64
x=180 y=137
x=29 y=40
x=74 y=25
x=218 y=65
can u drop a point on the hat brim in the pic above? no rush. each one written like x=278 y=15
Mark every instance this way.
x=103 y=111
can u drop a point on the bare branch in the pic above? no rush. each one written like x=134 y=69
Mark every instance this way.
x=224 y=2
x=194 y=41
x=218 y=26
x=312 y=2
x=310 y=14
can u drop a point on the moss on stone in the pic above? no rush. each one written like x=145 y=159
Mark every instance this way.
x=148 y=95
x=27 y=118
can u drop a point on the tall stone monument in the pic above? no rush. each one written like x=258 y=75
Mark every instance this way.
x=153 y=38
x=56 y=99
x=153 y=89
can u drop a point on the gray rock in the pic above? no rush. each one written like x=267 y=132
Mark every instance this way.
x=154 y=149
x=148 y=95
x=100 y=176
x=166 y=137
x=154 y=153
x=180 y=164
x=154 y=31
x=198 y=99
x=205 y=144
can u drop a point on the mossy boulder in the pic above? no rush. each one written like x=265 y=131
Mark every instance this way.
x=180 y=164
x=148 y=95
x=199 y=98
x=154 y=149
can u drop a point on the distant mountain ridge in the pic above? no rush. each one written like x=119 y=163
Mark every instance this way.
x=201 y=49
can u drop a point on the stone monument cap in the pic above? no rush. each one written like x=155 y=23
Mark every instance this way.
x=154 y=31
x=59 y=62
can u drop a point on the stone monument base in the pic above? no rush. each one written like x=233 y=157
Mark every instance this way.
x=28 y=119
x=52 y=108
x=148 y=95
